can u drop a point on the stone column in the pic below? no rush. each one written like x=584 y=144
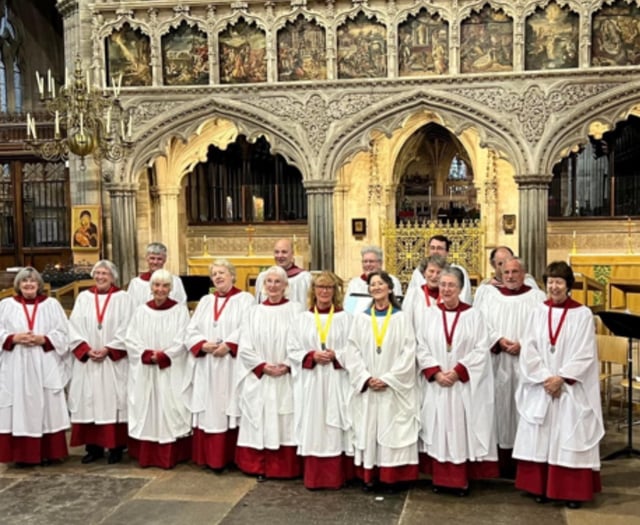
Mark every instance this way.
x=320 y=218
x=533 y=193
x=123 y=228
x=168 y=231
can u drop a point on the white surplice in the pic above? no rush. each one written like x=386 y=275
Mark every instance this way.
x=567 y=431
x=98 y=389
x=507 y=316
x=209 y=380
x=140 y=291
x=457 y=421
x=266 y=403
x=414 y=304
x=385 y=423
x=157 y=411
x=321 y=393
x=32 y=381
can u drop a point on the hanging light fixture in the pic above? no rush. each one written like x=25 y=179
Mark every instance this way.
x=88 y=119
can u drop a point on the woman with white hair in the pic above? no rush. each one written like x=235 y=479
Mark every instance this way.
x=159 y=421
x=33 y=373
x=266 y=441
x=212 y=340
x=98 y=390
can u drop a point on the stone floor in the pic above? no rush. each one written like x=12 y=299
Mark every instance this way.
x=71 y=493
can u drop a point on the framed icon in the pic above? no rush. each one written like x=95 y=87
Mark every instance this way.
x=358 y=227
x=85 y=228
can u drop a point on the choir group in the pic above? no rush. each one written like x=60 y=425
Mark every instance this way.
x=306 y=381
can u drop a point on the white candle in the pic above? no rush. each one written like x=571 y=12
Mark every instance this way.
x=53 y=88
x=33 y=128
x=574 y=235
x=48 y=80
x=57 y=124
x=109 y=120
x=28 y=125
x=40 y=82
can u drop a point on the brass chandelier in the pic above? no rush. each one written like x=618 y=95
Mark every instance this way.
x=88 y=119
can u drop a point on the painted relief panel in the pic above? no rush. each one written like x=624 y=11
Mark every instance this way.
x=423 y=44
x=129 y=54
x=243 y=56
x=486 y=42
x=551 y=37
x=302 y=51
x=185 y=56
x=616 y=35
x=362 y=48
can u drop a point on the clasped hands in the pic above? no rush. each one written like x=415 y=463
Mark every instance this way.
x=324 y=357
x=509 y=346
x=553 y=386
x=376 y=384
x=446 y=379
x=217 y=348
x=275 y=370
x=98 y=354
x=29 y=339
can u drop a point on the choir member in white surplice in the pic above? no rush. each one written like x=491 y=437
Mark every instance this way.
x=139 y=288
x=98 y=390
x=298 y=278
x=212 y=339
x=357 y=297
x=457 y=439
x=428 y=295
x=316 y=347
x=34 y=369
x=558 y=399
x=440 y=245
x=266 y=440
x=383 y=400
x=159 y=420
x=507 y=308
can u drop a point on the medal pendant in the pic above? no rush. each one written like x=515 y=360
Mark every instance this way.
x=215 y=324
x=378 y=349
x=99 y=326
x=553 y=349
x=448 y=348
x=323 y=346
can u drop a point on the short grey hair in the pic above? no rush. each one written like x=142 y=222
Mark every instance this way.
x=519 y=261
x=162 y=276
x=376 y=250
x=280 y=273
x=26 y=273
x=436 y=260
x=157 y=247
x=226 y=264
x=456 y=273
x=105 y=263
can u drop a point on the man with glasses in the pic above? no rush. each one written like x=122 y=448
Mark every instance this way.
x=357 y=296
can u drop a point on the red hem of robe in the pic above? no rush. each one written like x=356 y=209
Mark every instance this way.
x=457 y=475
x=215 y=450
x=328 y=473
x=163 y=455
x=555 y=482
x=108 y=435
x=33 y=450
x=388 y=475
x=282 y=463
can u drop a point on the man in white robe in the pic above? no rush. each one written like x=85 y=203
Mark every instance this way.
x=507 y=308
x=299 y=279
x=210 y=376
x=98 y=389
x=34 y=370
x=139 y=289
x=498 y=256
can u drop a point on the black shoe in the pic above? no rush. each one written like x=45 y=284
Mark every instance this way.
x=369 y=487
x=542 y=499
x=115 y=456
x=91 y=456
x=574 y=504
x=261 y=478
x=463 y=493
